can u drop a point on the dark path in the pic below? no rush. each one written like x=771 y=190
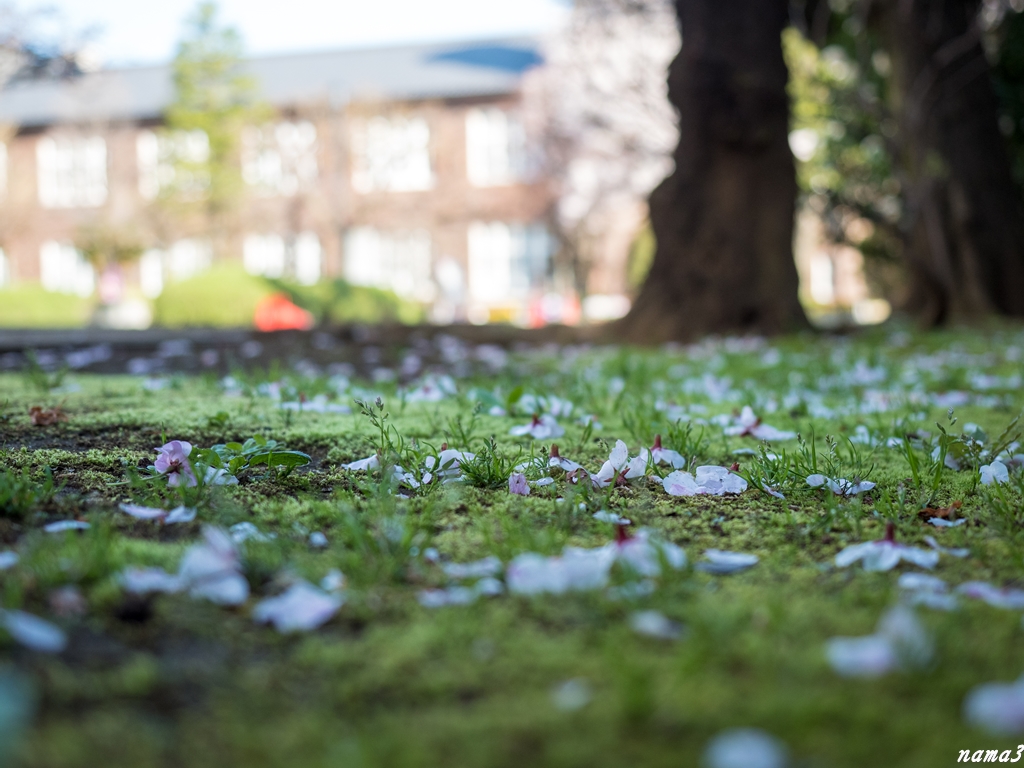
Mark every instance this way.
x=365 y=348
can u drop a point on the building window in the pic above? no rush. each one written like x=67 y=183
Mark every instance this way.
x=275 y=256
x=398 y=262
x=184 y=259
x=507 y=261
x=72 y=171
x=62 y=269
x=391 y=155
x=173 y=161
x=495 y=148
x=279 y=159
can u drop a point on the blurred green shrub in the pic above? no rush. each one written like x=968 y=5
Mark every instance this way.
x=29 y=306
x=227 y=295
x=337 y=301
x=223 y=296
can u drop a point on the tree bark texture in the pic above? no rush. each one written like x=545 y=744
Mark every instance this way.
x=724 y=219
x=965 y=231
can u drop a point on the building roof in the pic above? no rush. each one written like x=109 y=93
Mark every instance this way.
x=446 y=70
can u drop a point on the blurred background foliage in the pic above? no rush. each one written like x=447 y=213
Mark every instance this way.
x=845 y=137
x=226 y=296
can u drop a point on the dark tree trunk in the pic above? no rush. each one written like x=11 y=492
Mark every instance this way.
x=724 y=218
x=965 y=236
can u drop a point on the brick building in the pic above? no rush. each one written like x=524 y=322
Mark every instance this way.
x=406 y=168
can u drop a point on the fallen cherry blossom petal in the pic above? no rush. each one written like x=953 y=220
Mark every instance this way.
x=33 y=632
x=997 y=597
x=839 y=486
x=710 y=480
x=142 y=581
x=180 y=514
x=66 y=525
x=488 y=566
x=211 y=570
x=885 y=554
x=939 y=522
x=745 y=748
x=318 y=540
x=721 y=562
x=747 y=424
x=661 y=455
x=655 y=624
x=246 y=531
x=996 y=707
x=363 y=465
x=172 y=460
x=571 y=695
x=899 y=642
x=996 y=472
x=439 y=598
x=540 y=428
x=928 y=591
x=8 y=559
x=333 y=581
x=518 y=485
x=951 y=551
x=300 y=608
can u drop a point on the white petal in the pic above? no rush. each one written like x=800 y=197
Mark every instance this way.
x=996 y=707
x=333 y=581
x=33 y=632
x=996 y=472
x=474 y=570
x=952 y=552
x=816 y=480
x=655 y=624
x=870 y=656
x=921 y=557
x=145 y=580
x=907 y=636
x=8 y=559
x=225 y=588
x=571 y=695
x=680 y=484
x=439 y=598
x=723 y=562
x=65 y=525
x=300 y=608
x=318 y=539
x=619 y=455
x=181 y=514
x=370 y=462
x=921 y=582
x=851 y=554
x=745 y=748
x=1009 y=599
x=143 y=513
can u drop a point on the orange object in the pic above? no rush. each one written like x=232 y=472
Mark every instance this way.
x=277 y=313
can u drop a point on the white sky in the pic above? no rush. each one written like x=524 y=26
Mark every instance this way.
x=146 y=31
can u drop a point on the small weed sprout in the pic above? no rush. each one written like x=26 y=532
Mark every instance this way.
x=39 y=379
x=693 y=444
x=490 y=468
x=20 y=494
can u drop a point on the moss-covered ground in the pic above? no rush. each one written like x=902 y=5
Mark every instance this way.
x=168 y=680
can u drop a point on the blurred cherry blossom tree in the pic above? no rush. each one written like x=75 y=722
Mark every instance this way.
x=607 y=127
